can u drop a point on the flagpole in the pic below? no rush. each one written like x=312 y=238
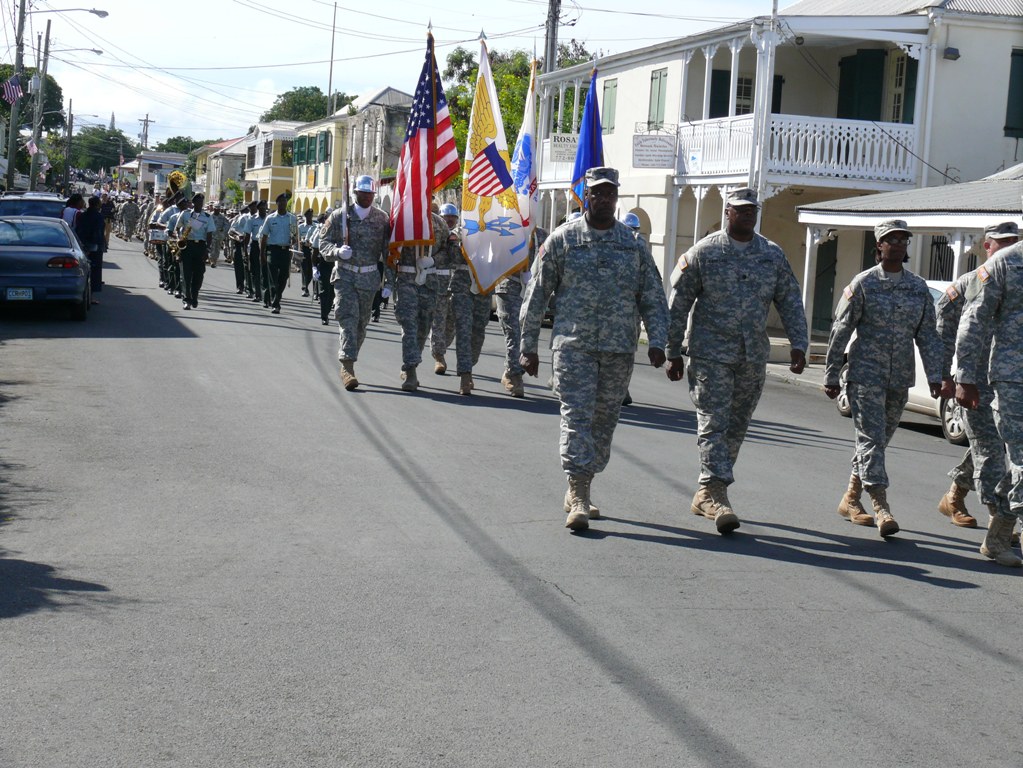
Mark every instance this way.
x=38 y=122
x=330 y=77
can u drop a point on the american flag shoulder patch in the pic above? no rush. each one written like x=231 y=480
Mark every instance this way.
x=982 y=274
x=848 y=292
x=683 y=262
x=952 y=293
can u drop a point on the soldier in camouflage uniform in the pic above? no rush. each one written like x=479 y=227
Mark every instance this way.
x=220 y=227
x=732 y=277
x=509 y=305
x=604 y=282
x=996 y=313
x=983 y=465
x=415 y=300
x=130 y=217
x=889 y=308
x=355 y=276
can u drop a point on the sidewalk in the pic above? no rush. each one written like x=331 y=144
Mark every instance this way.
x=812 y=376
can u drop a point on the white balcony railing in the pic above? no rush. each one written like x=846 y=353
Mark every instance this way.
x=798 y=145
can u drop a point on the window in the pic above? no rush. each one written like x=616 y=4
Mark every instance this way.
x=1014 y=110
x=744 y=95
x=607 y=107
x=268 y=153
x=942 y=258
x=658 y=91
x=379 y=141
x=287 y=153
x=250 y=157
x=321 y=147
x=300 y=144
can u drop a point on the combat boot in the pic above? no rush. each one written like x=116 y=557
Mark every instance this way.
x=711 y=501
x=440 y=366
x=850 y=507
x=594 y=513
x=998 y=542
x=953 y=505
x=465 y=384
x=409 y=381
x=886 y=524
x=517 y=389
x=578 y=503
x=348 y=375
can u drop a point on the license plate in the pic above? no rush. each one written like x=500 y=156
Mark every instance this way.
x=19 y=294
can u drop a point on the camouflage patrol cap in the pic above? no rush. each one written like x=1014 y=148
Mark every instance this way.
x=887 y=227
x=602 y=175
x=743 y=196
x=1002 y=231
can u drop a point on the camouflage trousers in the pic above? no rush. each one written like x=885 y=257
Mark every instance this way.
x=876 y=411
x=1008 y=413
x=215 y=248
x=508 y=307
x=352 y=308
x=413 y=309
x=983 y=464
x=443 y=325
x=129 y=227
x=591 y=386
x=462 y=320
x=725 y=396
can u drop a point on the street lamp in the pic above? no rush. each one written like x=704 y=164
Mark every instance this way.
x=97 y=51
x=94 y=11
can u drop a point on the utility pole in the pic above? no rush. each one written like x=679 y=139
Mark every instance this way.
x=12 y=140
x=331 y=106
x=145 y=131
x=550 y=48
x=67 y=152
x=37 y=124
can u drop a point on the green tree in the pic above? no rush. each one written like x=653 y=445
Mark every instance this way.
x=52 y=119
x=233 y=194
x=182 y=144
x=96 y=147
x=305 y=104
x=511 y=80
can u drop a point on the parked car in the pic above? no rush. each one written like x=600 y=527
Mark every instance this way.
x=948 y=412
x=32 y=204
x=41 y=261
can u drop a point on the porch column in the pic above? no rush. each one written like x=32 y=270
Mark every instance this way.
x=700 y=192
x=561 y=106
x=708 y=55
x=960 y=243
x=671 y=239
x=683 y=118
x=575 y=108
x=813 y=240
x=733 y=82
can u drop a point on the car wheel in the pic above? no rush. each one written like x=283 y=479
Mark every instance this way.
x=80 y=309
x=842 y=401
x=953 y=423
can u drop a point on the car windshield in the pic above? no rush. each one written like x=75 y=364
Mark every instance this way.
x=35 y=233
x=21 y=206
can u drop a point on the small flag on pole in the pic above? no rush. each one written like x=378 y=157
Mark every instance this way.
x=12 y=90
x=590 y=151
x=30 y=145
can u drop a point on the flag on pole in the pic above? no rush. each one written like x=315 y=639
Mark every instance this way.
x=30 y=145
x=494 y=236
x=590 y=151
x=523 y=164
x=12 y=90
x=121 y=158
x=427 y=161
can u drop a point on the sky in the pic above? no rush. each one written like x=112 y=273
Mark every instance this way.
x=209 y=68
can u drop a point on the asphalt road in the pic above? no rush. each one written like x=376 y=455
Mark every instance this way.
x=212 y=555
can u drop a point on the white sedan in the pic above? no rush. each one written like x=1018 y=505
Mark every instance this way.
x=948 y=412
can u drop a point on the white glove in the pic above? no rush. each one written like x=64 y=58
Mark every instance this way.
x=525 y=276
x=344 y=252
x=385 y=292
x=424 y=263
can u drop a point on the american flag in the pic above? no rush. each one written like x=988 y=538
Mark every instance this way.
x=12 y=90
x=30 y=145
x=428 y=159
x=489 y=174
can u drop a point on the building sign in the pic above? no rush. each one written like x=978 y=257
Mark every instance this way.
x=563 y=147
x=652 y=150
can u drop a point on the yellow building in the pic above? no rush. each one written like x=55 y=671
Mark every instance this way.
x=365 y=137
x=268 y=160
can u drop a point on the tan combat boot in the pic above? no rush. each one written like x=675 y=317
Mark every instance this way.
x=440 y=366
x=465 y=384
x=506 y=381
x=711 y=501
x=594 y=513
x=886 y=524
x=998 y=542
x=517 y=389
x=578 y=503
x=409 y=381
x=850 y=507
x=953 y=505
x=348 y=375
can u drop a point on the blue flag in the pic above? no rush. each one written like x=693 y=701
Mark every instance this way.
x=590 y=151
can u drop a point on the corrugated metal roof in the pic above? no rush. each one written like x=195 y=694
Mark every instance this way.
x=860 y=7
x=992 y=7
x=1000 y=193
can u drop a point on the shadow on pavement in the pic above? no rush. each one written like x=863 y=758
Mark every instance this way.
x=26 y=587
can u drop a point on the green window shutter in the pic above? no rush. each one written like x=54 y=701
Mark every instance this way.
x=321 y=146
x=300 y=150
x=1014 y=109
x=607 y=108
x=720 y=80
x=658 y=91
x=909 y=105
